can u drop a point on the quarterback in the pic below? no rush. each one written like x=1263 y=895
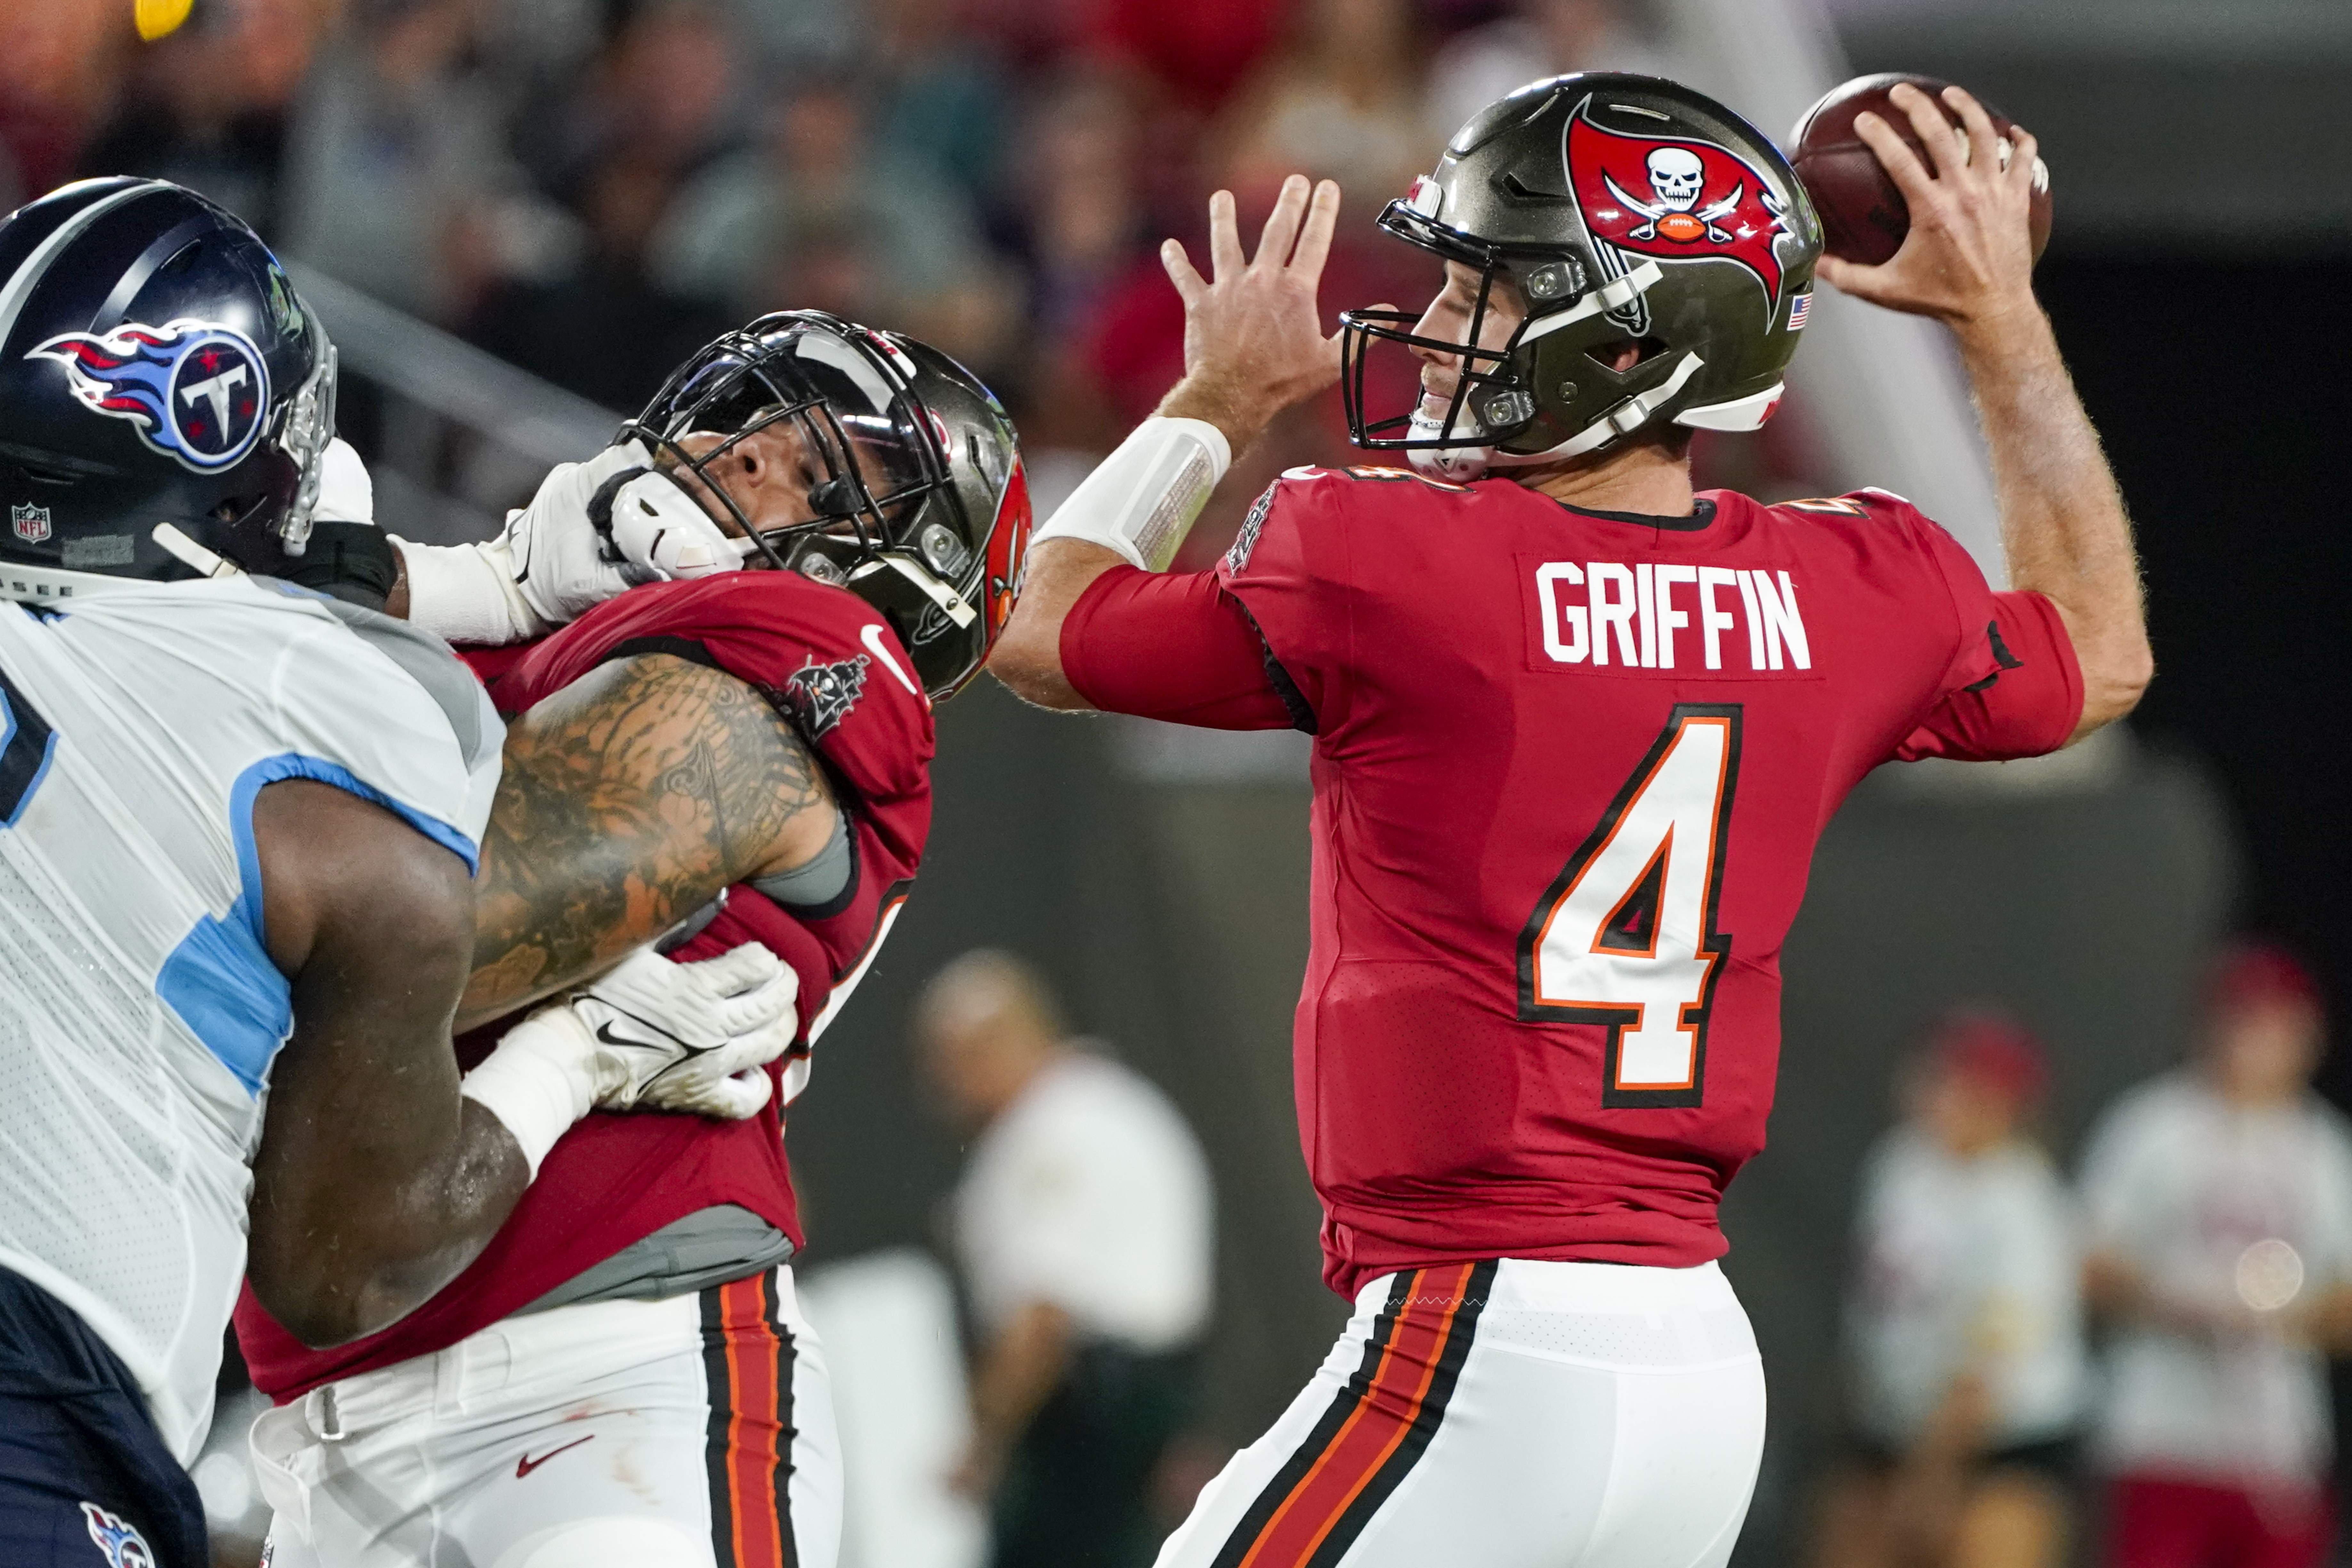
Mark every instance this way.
x=726 y=757
x=1577 y=729
x=239 y=816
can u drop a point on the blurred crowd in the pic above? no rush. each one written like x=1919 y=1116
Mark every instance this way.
x=591 y=188
x=2204 y=1253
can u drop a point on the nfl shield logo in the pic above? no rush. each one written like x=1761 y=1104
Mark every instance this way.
x=31 y=523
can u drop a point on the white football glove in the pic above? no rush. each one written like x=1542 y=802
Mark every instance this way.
x=583 y=538
x=594 y=529
x=647 y=1033
x=674 y=1036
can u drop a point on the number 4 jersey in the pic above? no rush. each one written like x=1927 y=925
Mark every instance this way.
x=1570 y=768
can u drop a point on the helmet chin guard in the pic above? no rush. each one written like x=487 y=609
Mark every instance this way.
x=1614 y=210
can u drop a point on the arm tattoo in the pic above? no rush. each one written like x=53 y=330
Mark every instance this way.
x=629 y=799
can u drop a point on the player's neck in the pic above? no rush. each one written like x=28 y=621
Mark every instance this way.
x=1642 y=479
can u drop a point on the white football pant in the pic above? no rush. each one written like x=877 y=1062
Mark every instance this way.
x=695 y=1432
x=1509 y=1414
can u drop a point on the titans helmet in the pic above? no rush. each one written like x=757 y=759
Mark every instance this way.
x=165 y=398
x=915 y=499
x=1616 y=208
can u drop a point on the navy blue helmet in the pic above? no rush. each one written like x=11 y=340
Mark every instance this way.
x=164 y=394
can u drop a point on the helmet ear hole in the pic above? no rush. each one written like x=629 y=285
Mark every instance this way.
x=1622 y=354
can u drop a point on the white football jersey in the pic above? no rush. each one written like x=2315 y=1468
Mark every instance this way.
x=139 y=1009
x=2220 y=1205
x=1965 y=1265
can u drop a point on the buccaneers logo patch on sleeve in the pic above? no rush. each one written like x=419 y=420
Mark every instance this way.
x=820 y=696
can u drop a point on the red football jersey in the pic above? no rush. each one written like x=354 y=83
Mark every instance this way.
x=824 y=657
x=1570 y=768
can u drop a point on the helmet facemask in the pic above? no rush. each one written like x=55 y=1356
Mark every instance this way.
x=908 y=462
x=855 y=506
x=1489 y=401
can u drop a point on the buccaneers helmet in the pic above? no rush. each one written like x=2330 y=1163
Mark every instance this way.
x=918 y=503
x=165 y=397
x=1617 y=209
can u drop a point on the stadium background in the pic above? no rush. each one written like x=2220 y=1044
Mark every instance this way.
x=588 y=188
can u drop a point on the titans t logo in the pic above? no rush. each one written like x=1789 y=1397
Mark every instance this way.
x=196 y=391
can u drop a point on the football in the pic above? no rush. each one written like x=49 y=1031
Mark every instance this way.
x=1863 y=216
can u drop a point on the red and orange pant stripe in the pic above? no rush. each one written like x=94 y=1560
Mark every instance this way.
x=1375 y=1431
x=747 y=1354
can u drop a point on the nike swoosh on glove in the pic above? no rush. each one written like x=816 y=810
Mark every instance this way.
x=597 y=529
x=649 y=1032
x=675 y=1035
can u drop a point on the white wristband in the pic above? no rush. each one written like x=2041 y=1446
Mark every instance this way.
x=540 y=1079
x=1143 y=499
x=467 y=592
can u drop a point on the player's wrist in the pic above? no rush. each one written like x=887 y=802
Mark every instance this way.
x=1239 y=417
x=1143 y=499
x=2001 y=325
x=467 y=592
x=543 y=1077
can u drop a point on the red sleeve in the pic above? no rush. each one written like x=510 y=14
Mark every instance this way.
x=2013 y=687
x=1171 y=646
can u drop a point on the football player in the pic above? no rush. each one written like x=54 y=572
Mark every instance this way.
x=239 y=821
x=1577 y=730
x=624 y=1376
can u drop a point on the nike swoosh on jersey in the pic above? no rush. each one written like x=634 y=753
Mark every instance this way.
x=526 y=1464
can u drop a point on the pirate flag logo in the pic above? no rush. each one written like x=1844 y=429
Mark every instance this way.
x=1676 y=199
x=820 y=696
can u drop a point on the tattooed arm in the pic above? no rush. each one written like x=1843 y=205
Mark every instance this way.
x=629 y=799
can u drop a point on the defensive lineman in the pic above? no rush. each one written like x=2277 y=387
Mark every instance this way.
x=1577 y=730
x=237 y=823
x=747 y=752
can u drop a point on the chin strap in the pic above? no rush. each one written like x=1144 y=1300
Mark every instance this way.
x=188 y=553
x=1622 y=420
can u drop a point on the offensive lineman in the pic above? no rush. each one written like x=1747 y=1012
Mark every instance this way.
x=238 y=820
x=744 y=752
x=1577 y=730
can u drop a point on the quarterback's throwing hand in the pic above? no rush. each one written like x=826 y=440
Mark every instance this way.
x=1253 y=341
x=1968 y=258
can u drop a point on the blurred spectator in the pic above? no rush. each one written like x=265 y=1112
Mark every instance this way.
x=2220 y=1206
x=1540 y=38
x=605 y=330
x=1343 y=101
x=1082 y=1224
x=1964 y=1324
x=1076 y=218
x=938 y=101
x=669 y=91
x=820 y=206
x=1198 y=51
x=390 y=149
x=206 y=106
x=60 y=64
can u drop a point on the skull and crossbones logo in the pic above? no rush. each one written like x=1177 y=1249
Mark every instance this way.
x=1677 y=179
